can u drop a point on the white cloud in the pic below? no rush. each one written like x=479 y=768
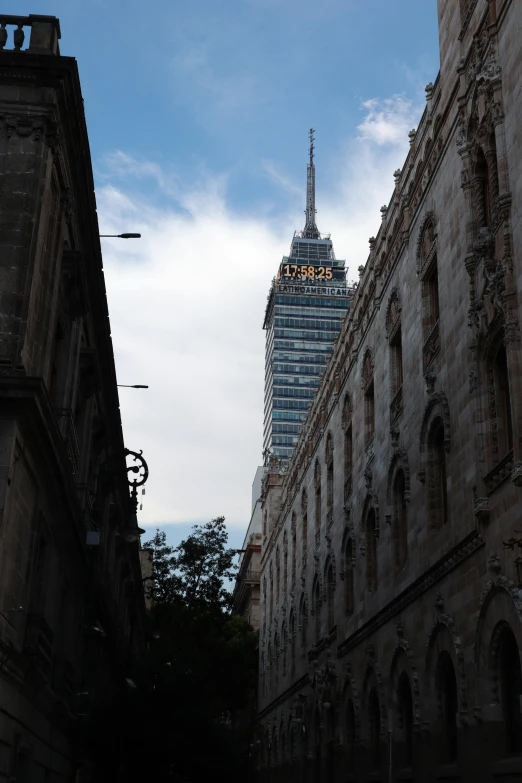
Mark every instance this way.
x=187 y=302
x=387 y=121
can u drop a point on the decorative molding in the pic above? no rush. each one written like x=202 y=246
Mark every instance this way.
x=516 y=474
x=24 y=126
x=481 y=509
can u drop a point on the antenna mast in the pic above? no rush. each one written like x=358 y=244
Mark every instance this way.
x=310 y=230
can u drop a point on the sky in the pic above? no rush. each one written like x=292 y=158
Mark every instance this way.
x=198 y=116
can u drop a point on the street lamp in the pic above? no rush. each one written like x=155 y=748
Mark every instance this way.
x=121 y=236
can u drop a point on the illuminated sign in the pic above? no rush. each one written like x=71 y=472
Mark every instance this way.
x=311 y=272
x=301 y=289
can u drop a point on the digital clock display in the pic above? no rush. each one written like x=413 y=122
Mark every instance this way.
x=311 y=272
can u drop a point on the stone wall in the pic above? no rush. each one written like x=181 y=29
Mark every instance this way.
x=398 y=639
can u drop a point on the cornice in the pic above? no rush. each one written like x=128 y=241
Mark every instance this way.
x=295 y=688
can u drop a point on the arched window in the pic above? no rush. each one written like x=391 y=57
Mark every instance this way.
x=285 y=563
x=294 y=548
x=369 y=399
x=371 y=551
x=447 y=683
x=374 y=725
x=278 y=577
x=394 y=334
x=510 y=681
x=348 y=577
x=292 y=642
x=277 y=653
x=303 y=622
x=348 y=462
x=346 y=421
x=330 y=590
x=405 y=710
x=400 y=521
x=317 y=610
x=437 y=474
x=503 y=403
x=485 y=185
x=329 y=478
x=271 y=591
x=428 y=272
x=317 y=485
x=283 y=648
x=304 y=508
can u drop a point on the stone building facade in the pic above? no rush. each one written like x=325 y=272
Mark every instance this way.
x=391 y=613
x=71 y=596
x=246 y=593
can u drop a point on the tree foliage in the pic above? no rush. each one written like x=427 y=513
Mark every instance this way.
x=201 y=667
x=193 y=573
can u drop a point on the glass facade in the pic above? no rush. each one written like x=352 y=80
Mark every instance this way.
x=306 y=305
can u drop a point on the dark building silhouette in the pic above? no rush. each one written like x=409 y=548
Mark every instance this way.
x=71 y=597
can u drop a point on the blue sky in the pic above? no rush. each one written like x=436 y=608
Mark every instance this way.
x=198 y=114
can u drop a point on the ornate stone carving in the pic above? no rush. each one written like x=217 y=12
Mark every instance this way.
x=516 y=474
x=23 y=126
x=481 y=509
x=393 y=313
x=439 y=603
x=430 y=377
x=494 y=565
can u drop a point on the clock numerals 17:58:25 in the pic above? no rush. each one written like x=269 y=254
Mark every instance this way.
x=313 y=272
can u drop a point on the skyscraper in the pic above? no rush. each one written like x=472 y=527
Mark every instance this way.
x=306 y=304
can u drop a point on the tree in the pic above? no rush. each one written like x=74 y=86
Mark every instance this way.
x=195 y=571
x=201 y=667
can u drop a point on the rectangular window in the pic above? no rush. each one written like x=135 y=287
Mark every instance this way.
x=396 y=348
x=433 y=296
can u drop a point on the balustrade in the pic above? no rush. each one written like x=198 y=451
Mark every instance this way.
x=43 y=37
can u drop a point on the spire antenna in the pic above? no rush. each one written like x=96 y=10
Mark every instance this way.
x=310 y=230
